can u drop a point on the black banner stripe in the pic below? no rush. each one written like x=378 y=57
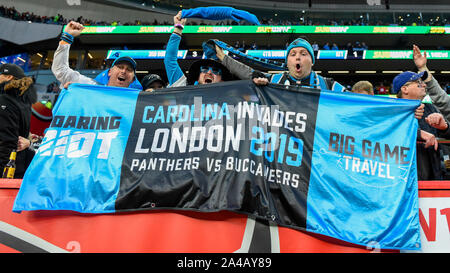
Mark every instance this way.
x=173 y=163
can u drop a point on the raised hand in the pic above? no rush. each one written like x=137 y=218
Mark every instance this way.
x=74 y=28
x=419 y=60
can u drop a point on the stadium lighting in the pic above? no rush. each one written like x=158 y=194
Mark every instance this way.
x=338 y=71
x=365 y=72
x=392 y=71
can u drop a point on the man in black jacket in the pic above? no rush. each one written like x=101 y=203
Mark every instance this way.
x=17 y=94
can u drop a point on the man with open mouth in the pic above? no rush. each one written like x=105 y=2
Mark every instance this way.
x=299 y=61
x=203 y=71
x=121 y=74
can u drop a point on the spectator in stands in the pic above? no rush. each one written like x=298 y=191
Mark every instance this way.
x=17 y=94
x=12 y=13
x=53 y=88
x=363 y=87
x=151 y=82
x=121 y=74
x=334 y=47
x=242 y=48
x=201 y=72
x=300 y=60
x=409 y=85
x=364 y=46
x=383 y=89
x=315 y=46
x=358 y=47
x=349 y=48
x=326 y=46
x=438 y=96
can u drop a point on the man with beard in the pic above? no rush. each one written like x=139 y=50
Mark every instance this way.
x=17 y=94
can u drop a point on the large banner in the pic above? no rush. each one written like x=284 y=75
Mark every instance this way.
x=337 y=164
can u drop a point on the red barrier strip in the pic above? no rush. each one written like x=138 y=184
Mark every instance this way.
x=434 y=185
x=10 y=183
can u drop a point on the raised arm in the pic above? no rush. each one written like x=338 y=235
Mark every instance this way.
x=438 y=96
x=60 y=66
x=240 y=70
x=174 y=73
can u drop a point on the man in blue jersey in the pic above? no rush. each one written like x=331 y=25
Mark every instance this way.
x=201 y=72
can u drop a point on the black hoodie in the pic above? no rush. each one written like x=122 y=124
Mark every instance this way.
x=16 y=98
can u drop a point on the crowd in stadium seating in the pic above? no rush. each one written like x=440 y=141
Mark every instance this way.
x=12 y=13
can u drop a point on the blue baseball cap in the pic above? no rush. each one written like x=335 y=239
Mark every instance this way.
x=407 y=76
x=299 y=42
x=127 y=59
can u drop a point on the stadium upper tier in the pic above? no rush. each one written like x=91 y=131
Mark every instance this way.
x=152 y=12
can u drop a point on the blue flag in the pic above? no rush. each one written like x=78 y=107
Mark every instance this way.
x=338 y=164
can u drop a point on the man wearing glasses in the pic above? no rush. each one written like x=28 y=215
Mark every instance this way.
x=410 y=85
x=438 y=95
x=200 y=72
x=207 y=71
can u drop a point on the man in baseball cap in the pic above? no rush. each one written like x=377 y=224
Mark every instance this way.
x=10 y=71
x=121 y=74
x=407 y=82
x=410 y=85
x=151 y=82
x=125 y=59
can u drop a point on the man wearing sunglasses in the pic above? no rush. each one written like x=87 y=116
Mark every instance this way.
x=200 y=72
x=410 y=85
